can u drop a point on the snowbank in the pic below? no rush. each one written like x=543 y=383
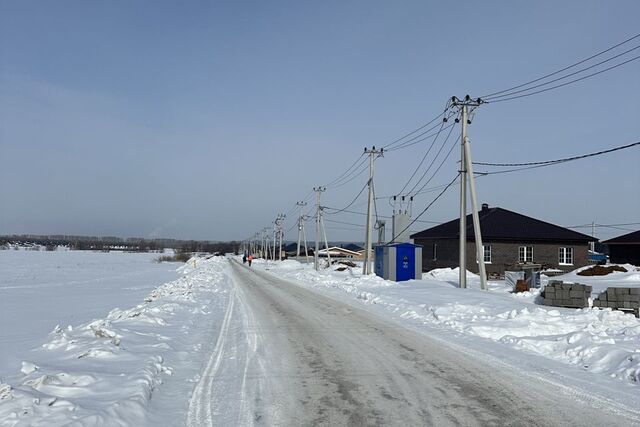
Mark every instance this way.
x=105 y=372
x=600 y=341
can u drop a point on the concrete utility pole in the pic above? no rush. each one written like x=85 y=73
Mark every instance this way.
x=300 y=205
x=373 y=154
x=466 y=171
x=281 y=218
x=265 y=242
x=273 y=253
x=304 y=237
x=318 y=191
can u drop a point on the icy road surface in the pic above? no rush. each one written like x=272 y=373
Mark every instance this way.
x=306 y=359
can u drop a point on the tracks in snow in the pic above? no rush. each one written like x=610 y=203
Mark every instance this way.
x=200 y=410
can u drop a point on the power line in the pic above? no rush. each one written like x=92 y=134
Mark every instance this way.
x=345 y=172
x=355 y=174
x=416 y=130
x=349 y=205
x=411 y=142
x=427 y=208
x=422 y=190
x=566 y=83
x=535 y=165
x=489 y=99
x=344 y=223
x=563 y=69
x=424 y=157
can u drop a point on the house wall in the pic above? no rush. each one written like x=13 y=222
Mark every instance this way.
x=504 y=256
x=622 y=254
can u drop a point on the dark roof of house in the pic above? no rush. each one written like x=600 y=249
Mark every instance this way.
x=630 y=238
x=505 y=225
x=352 y=247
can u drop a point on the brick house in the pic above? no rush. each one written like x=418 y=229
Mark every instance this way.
x=625 y=248
x=509 y=239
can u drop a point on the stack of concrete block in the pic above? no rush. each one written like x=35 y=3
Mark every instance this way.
x=620 y=299
x=560 y=294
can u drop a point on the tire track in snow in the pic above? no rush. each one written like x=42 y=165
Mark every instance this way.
x=200 y=402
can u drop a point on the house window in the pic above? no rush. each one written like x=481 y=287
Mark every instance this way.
x=435 y=251
x=486 y=249
x=525 y=254
x=565 y=256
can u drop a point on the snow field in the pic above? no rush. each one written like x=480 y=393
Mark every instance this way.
x=600 y=341
x=106 y=372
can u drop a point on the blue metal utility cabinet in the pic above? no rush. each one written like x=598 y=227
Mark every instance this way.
x=399 y=261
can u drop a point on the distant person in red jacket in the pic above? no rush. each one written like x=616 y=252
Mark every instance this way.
x=250 y=259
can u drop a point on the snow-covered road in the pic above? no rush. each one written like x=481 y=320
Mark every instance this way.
x=309 y=359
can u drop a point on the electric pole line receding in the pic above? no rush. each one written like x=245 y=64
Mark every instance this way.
x=318 y=190
x=373 y=154
x=466 y=107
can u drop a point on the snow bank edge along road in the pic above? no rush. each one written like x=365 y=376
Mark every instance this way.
x=106 y=371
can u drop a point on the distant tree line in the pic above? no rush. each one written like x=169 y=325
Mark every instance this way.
x=106 y=244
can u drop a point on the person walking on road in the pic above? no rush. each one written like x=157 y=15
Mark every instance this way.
x=250 y=259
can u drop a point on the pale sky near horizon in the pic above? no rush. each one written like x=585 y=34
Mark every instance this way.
x=205 y=119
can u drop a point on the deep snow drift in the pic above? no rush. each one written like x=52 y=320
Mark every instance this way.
x=135 y=366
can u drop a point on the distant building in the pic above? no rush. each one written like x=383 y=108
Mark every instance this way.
x=624 y=249
x=510 y=240
x=337 y=252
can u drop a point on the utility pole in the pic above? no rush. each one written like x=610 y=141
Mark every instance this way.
x=373 y=154
x=467 y=106
x=300 y=205
x=304 y=236
x=273 y=254
x=318 y=191
x=279 y=220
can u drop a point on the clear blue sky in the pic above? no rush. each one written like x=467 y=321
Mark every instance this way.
x=204 y=120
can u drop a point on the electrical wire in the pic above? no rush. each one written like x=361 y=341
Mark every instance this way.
x=412 y=142
x=427 y=208
x=416 y=130
x=344 y=223
x=565 y=83
x=363 y=168
x=345 y=172
x=423 y=158
x=489 y=99
x=420 y=190
x=535 y=165
x=349 y=205
x=563 y=69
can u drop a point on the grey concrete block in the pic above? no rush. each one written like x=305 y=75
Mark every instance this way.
x=634 y=304
x=566 y=286
x=596 y=303
x=588 y=288
x=626 y=304
x=634 y=291
x=547 y=301
x=602 y=296
x=621 y=291
x=576 y=294
x=611 y=294
x=612 y=304
x=634 y=298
